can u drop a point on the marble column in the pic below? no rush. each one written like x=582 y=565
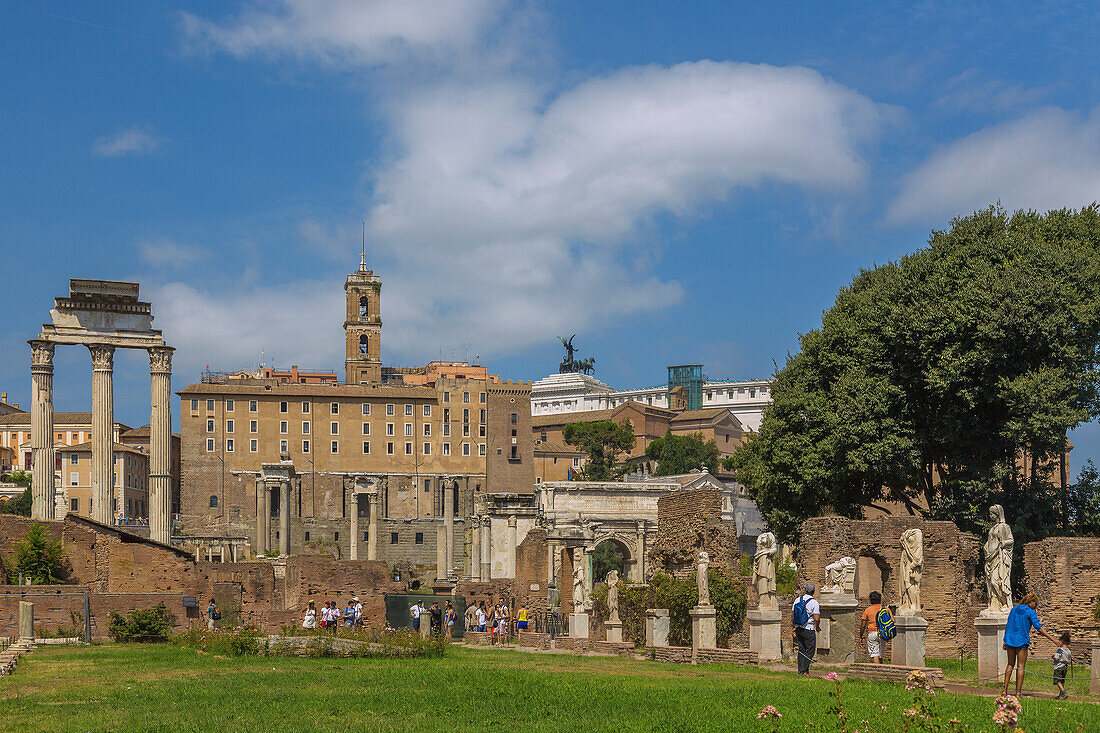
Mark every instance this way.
x=261 y=538
x=372 y=531
x=267 y=518
x=160 y=442
x=354 y=525
x=511 y=537
x=284 y=518
x=42 y=451
x=475 y=547
x=449 y=488
x=486 y=549
x=639 y=565
x=103 y=432
x=551 y=551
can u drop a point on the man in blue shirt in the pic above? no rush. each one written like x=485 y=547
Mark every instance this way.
x=1021 y=619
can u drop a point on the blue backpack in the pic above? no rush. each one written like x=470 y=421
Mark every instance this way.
x=799 y=616
x=885 y=623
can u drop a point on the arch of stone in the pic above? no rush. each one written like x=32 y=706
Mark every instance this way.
x=102 y=315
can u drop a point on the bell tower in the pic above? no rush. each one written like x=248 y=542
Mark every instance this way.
x=363 y=326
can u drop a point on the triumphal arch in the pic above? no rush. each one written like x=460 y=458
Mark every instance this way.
x=102 y=315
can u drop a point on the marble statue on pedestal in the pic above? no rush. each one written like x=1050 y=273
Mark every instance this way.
x=912 y=567
x=840 y=576
x=763 y=572
x=578 y=588
x=613 y=595
x=998 y=562
x=701 y=579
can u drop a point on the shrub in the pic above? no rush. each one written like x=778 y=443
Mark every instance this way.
x=38 y=557
x=321 y=643
x=150 y=624
x=786 y=579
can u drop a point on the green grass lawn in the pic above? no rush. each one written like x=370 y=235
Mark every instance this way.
x=162 y=687
x=1038 y=677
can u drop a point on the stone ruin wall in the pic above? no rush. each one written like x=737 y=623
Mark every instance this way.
x=952 y=592
x=688 y=522
x=1065 y=573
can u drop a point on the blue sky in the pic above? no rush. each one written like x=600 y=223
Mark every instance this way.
x=674 y=182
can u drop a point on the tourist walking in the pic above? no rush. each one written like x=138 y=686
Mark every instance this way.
x=213 y=613
x=415 y=611
x=358 y=611
x=806 y=617
x=521 y=619
x=1062 y=658
x=868 y=628
x=1021 y=620
x=436 y=615
x=502 y=621
x=349 y=614
x=310 y=620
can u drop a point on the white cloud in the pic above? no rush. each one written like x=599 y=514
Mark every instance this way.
x=167 y=253
x=134 y=141
x=348 y=31
x=1049 y=159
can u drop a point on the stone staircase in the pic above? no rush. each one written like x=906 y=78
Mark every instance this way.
x=10 y=655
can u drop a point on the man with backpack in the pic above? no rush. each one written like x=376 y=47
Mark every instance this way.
x=806 y=617
x=213 y=613
x=877 y=626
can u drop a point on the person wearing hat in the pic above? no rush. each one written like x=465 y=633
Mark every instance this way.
x=806 y=618
x=358 y=611
x=349 y=614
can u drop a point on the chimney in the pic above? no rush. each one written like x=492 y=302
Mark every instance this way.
x=3 y=396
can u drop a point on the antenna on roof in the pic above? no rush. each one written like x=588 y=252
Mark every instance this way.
x=363 y=257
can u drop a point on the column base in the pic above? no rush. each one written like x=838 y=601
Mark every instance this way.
x=836 y=642
x=704 y=629
x=614 y=630
x=578 y=625
x=992 y=658
x=656 y=627
x=765 y=633
x=907 y=648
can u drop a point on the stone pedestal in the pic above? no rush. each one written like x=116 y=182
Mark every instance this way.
x=836 y=642
x=1094 y=682
x=992 y=658
x=425 y=624
x=765 y=634
x=578 y=625
x=26 y=622
x=656 y=627
x=907 y=648
x=704 y=629
x=614 y=630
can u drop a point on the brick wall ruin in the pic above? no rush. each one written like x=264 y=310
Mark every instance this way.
x=1065 y=573
x=689 y=522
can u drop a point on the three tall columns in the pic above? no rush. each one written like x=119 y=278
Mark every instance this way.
x=42 y=450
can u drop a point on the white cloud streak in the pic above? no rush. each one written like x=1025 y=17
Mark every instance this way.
x=167 y=253
x=134 y=141
x=1049 y=159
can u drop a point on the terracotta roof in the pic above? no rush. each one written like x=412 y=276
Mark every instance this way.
x=548 y=446
x=309 y=390
x=709 y=413
x=141 y=432
x=87 y=447
x=59 y=418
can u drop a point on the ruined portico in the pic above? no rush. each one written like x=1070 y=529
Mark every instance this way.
x=102 y=315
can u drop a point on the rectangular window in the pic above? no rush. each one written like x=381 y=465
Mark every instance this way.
x=408 y=449
x=408 y=409
x=446 y=414
x=466 y=430
x=74 y=505
x=194 y=405
x=481 y=397
x=253 y=445
x=389 y=449
x=465 y=396
x=482 y=414
x=282 y=407
x=389 y=409
x=252 y=406
x=393 y=538
x=305 y=408
x=336 y=536
x=481 y=449
x=334 y=428
x=73 y=478
x=427 y=430
x=419 y=538
x=465 y=414
x=282 y=446
x=209 y=426
x=284 y=427
x=515 y=452
x=305 y=446
x=305 y=427
x=427 y=449
x=209 y=444
x=389 y=428
x=229 y=426
x=253 y=426
x=427 y=485
x=576 y=462
x=465 y=449
x=481 y=430
x=366 y=428
x=446 y=396
x=74 y=459
x=446 y=430
x=514 y=418
x=230 y=405
x=366 y=447
x=335 y=408
x=446 y=449
x=427 y=410
x=335 y=447
x=210 y=405
x=408 y=428
x=229 y=445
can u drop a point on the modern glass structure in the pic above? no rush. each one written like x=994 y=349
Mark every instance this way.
x=690 y=377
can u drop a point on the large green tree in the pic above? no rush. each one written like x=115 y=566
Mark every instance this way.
x=603 y=441
x=930 y=377
x=676 y=454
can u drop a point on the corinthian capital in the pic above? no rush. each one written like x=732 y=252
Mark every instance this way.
x=103 y=356
x=41 y=354
x=160 y=359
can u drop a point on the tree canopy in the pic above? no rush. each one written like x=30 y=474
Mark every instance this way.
x=932 y=377
x=603 y=441
x=676 y=454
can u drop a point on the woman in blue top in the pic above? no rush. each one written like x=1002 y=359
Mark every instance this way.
x=1021 y=619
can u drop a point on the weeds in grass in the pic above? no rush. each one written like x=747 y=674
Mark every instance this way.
x=353 y=643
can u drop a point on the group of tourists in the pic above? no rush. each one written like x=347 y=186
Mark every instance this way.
x=876 y=627
x=494 y=619
x=331 y=617
x=438 y=618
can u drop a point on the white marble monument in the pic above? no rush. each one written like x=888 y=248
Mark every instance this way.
x=991 y=622
x=907 y=648
x=766 y=618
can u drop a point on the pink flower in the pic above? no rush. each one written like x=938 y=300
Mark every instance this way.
x=769 y=711
x=831 y=676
